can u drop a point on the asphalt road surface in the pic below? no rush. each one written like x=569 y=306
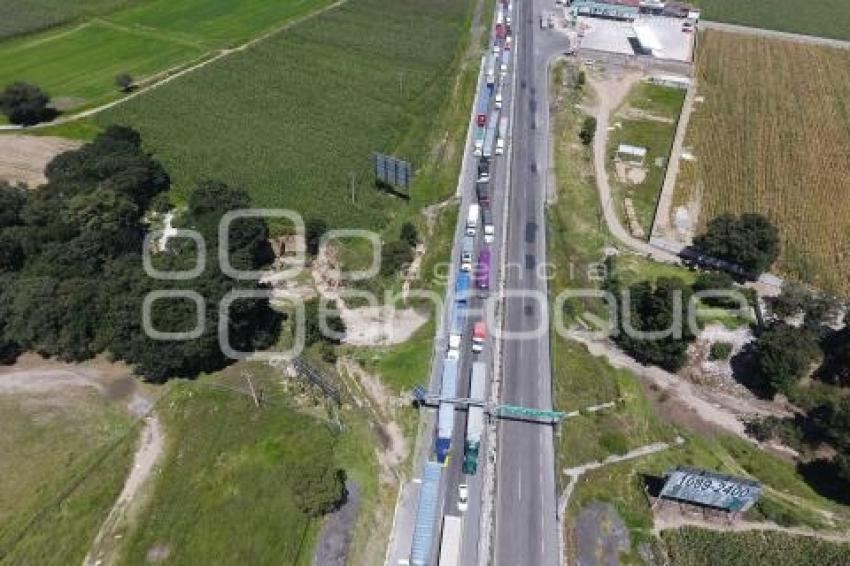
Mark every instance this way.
x=526 y=522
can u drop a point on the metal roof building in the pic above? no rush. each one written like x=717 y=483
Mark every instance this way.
x=426 y=515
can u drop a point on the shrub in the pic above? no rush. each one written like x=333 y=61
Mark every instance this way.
x=720 y=351
x=588 y=130
x=25 y=104
x=124 y=82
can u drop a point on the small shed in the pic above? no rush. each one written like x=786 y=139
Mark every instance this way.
x=630 y=154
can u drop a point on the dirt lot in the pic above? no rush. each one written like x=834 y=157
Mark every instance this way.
x=23 y=158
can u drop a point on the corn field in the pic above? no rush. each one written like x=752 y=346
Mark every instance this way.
x=773 y=136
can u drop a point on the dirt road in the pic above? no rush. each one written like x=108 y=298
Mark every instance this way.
x=610 y=93
x=148 y=454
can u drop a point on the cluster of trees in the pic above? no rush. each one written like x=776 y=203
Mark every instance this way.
x=26 y=105
x=72 y=282
x=750 y=241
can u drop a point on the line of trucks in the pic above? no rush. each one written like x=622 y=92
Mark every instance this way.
x=491 y=132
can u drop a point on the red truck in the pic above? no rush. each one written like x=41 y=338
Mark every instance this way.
x=479 y=335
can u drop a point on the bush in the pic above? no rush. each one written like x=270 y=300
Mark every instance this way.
x=409 y=234
x=716 y=281
x=784 y=355
x=394 y=256
x=25 y=104
x=588 y=130
x=124 y=82
x=314 y=229
x=720 y=351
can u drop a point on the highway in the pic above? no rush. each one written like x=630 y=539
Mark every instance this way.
x=525 y=507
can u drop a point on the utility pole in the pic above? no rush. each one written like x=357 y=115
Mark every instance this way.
x=257 y=400
x=401 y=83
x=351 y=185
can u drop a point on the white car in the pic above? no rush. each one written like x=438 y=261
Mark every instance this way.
x=462 y=497
x=496 y=49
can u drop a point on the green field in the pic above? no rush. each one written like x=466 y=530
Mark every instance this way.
x=691 y=546
x=224 y=493
x=26 y=16
x=648 y=119
x=64 y=462
x=215 y=23
x=827 y=18
x=293 y=116
x=76 y=65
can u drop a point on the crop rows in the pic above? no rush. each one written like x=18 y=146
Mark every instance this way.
x=24 y=16
x=773 y=136
x=294 y=116
x=827 y=18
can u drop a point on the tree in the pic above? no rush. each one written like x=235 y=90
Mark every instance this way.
x=315 y=228
x=394 y=256
x=313 y=331
x=836 y=364
x=317 y=487
x=653 y=308
x=124 y=82
x=409 y=234
x=25 y=104
x=588 y=130
x=750 y=242
x=784 y=355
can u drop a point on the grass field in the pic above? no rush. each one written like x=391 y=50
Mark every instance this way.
x=772 y=136
x=64 y=462
x=77 y=64
x=690 y=546
x=647 y=119
x=222 y=495
x=827 y=18
x=291 y=117
x=26 y=16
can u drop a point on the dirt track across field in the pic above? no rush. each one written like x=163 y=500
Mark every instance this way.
x=23 y=158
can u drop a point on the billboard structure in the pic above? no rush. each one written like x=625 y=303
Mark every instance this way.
x=392 y=171
x=709 y=489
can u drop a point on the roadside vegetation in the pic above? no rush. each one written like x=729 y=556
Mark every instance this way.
x=690 y=546
x=826 y=18
x=771 y=137
x=647 y=120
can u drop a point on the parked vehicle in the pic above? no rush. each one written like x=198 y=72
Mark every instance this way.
x=479 y=336
x=472 y=219
x=467 y=249
x=489 y=229
x=482 y=272
x=450 y=544
x=478 y=141
x=482 y=191
x=490 y=136
x=483 y=169
x=503 y=134
x=462 y=497
x=482 y=108
x=498 y=102
x=474 y=419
